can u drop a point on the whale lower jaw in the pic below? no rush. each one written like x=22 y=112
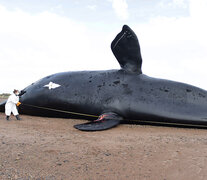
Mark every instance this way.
x=189 y=124
x=182 y=120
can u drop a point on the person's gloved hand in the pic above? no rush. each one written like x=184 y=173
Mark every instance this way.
x=18 y=103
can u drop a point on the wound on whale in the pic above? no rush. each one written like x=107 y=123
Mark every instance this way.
x=110 y=97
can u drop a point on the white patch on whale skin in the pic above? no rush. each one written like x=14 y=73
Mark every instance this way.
x=52 y=85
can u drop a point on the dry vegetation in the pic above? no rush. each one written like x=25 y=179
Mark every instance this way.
x=4 y=95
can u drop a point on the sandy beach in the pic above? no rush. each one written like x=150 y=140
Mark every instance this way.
x=50 y=148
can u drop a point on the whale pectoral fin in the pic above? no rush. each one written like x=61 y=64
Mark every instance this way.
x=126 y=49
x=105 y=121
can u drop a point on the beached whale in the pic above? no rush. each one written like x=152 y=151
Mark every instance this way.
x=108 y=97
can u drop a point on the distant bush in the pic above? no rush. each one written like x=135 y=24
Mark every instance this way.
x=4 y=95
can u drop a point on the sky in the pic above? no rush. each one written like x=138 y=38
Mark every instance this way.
x=39 y=38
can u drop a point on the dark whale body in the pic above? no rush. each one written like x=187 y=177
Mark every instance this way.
x=116 y=95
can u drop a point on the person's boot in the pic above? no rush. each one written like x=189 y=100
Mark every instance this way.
x=7 y=118
x=17 y=117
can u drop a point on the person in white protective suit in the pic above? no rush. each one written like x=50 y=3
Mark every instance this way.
x=11 y=105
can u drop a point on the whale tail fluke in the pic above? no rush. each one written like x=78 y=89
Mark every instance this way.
x=126 y=49
x=105 y=121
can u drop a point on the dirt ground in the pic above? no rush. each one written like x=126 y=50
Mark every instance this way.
x=50 y=148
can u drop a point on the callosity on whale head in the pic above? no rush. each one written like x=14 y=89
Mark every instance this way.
x=108 y=97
